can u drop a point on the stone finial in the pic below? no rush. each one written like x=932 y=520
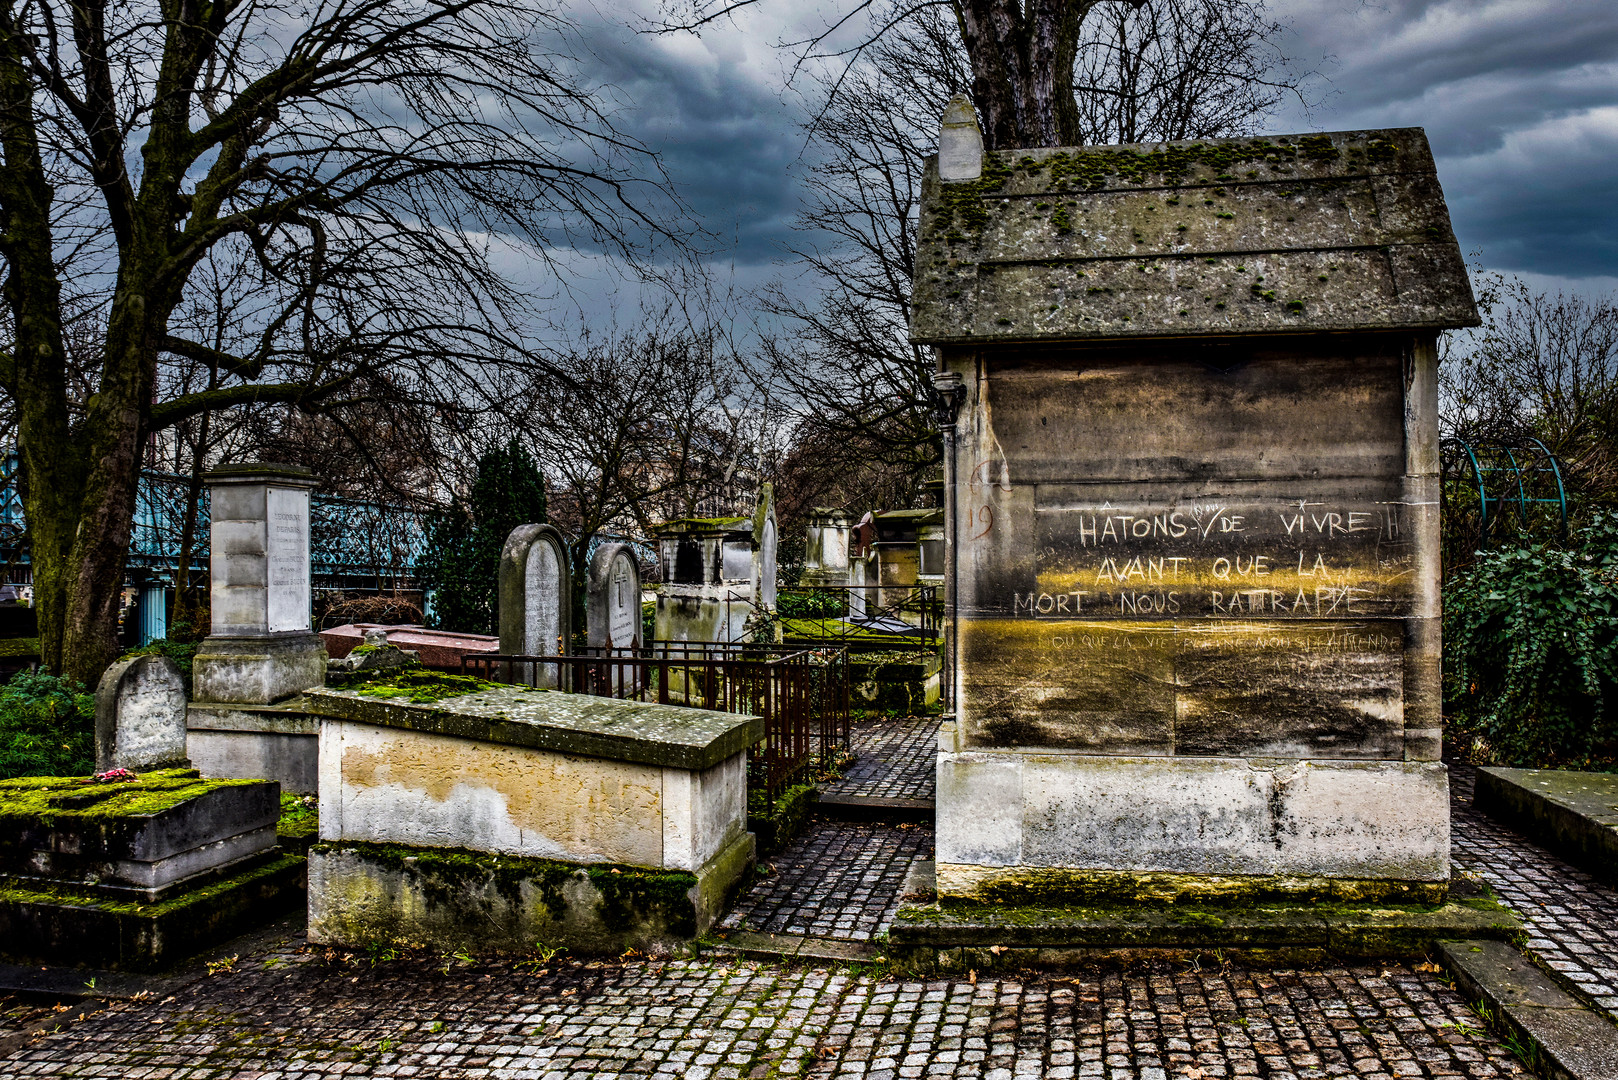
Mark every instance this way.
x=140 y=715
x=960 y=142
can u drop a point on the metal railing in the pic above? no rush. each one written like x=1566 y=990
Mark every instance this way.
x=802 y=695
x=887 y=617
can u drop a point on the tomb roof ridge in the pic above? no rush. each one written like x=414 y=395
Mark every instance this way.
x=1330 y=231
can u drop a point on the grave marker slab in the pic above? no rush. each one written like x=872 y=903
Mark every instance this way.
x=140 y=716
x=536 y=616
x=614 y=607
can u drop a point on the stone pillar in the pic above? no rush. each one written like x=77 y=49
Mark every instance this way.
x=613 y=615
x=536 y=616
x=140 y=716
x=152 y=611
x=261 y=648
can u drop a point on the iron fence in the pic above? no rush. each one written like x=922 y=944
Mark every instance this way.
x=887 y=617
x=802 y=695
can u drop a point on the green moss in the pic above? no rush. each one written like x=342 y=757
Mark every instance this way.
x=628 y=892
x=19 y=646
x=961 y=206
x=421 y=686
x=70 y=798
x=300 y=818
x=774 y=822
x=200 y=895
x=362 y=650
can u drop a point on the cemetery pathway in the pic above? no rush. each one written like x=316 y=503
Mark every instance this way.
x=295 y=1012
x=893 y=759
x=1572 y=918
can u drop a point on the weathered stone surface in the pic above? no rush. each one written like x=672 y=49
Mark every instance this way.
x=61 y=926
x=1341 y=231
x=568 y=723
x=1002 y=937
x=260 y=648
x=140 y=715
x=389 y=785
x=1574 y=814
x=265 y=742
x=362 y=893
x=140 y=840
x=256 y=670
x=1095 y=825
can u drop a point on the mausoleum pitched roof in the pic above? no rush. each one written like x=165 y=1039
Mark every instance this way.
x=1276 y=234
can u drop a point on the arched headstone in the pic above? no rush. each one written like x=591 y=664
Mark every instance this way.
x=535 y=613
x=614 y=610
x=140 y=715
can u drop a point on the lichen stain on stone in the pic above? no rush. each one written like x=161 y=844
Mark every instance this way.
x=576 y=805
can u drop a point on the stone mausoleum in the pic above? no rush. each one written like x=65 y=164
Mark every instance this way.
x=1192 y=514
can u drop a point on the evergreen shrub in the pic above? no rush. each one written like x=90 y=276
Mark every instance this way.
x=47 y=727
x=1530 y=673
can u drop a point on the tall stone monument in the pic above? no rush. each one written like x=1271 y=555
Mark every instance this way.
x=1189 y=393
x=262 y=647
x=536 y=615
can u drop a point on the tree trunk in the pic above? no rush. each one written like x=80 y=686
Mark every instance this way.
x=187 y=610
x=1022 y=57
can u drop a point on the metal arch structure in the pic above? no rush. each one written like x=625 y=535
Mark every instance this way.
x=1487 y=484
x=354 y=544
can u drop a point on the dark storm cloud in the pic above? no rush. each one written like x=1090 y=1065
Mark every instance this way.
x=724 y=134
x=1519 y=100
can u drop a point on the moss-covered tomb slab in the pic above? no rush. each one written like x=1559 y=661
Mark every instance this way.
x=632 y=731
x=989 y=936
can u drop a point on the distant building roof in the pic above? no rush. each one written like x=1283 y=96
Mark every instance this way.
x=1281 y=234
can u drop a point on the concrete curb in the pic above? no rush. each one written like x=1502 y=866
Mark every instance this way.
x=873 y=808
x=1558 y=1036
x=756 y=946
x=1569 y=813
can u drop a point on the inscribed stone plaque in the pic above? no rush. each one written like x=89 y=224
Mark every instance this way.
x=286 y=544
x=1280 y=554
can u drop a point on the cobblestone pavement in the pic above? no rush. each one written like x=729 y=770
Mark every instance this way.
x=838 y=879
x=295 y=1012
x=1572 y=918
x=894 y=759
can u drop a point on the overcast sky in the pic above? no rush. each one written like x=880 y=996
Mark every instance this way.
x=1519 y=99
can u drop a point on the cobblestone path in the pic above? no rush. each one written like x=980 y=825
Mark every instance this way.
x=1572 y=918
x=838 y=880
x=893 y=760
x=295 y=1013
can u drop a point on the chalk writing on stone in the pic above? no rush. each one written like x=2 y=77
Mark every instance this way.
x=1270 y=558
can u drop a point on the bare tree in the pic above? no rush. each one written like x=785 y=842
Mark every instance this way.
x=1544 y=367
x=646 y=424
x=1168 y=69
x=364 y=158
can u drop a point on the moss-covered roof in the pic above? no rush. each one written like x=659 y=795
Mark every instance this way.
x=1280 y=234
x=705 y=525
